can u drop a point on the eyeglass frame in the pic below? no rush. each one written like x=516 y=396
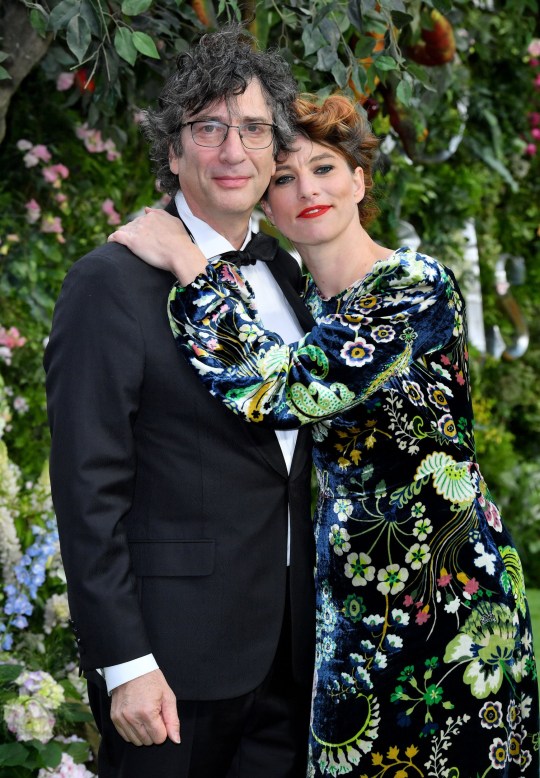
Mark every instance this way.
x=230 y=126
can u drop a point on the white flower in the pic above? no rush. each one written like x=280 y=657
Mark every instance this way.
x=28 y=719
x=418 y=555
x=66 y=769
x=359 y=569
x=392 y=579
x=56 y=612
x=339 y=539
x=453 y=605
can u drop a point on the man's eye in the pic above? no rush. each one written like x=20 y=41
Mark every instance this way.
x=208 y=129
x=254 y=129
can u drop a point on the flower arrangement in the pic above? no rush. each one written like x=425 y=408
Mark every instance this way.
x=42 y=699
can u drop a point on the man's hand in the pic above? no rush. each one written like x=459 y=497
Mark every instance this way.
x=162 y=241
x=144 y=710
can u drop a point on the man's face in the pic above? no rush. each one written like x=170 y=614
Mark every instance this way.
x=226 y=182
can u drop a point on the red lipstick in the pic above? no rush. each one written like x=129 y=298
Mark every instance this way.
x=313 y=211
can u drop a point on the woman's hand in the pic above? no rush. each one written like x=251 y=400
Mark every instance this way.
x=162 y=241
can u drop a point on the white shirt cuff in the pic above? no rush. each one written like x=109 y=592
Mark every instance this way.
x=127 y=671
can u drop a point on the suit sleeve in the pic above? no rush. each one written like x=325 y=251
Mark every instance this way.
x=94 y=363
x=372 y=332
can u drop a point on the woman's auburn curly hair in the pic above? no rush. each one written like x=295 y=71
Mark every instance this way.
x=336 y=123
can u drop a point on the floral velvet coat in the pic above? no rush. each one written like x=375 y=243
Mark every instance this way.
x=424 y=663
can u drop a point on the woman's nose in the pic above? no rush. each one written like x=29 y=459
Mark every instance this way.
x=307 y=187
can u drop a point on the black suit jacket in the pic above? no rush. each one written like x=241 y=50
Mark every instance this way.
x=172 y=512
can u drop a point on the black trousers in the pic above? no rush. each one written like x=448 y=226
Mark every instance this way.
x=262 y=734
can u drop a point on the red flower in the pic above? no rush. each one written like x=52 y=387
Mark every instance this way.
x=81 y=79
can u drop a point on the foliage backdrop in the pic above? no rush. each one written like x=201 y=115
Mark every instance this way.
x=452 y=88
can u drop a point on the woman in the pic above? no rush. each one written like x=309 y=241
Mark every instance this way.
x=423 y=630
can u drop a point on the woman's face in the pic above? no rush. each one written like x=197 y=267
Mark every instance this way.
x=313 y=195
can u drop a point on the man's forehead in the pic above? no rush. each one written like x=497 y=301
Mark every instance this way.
x=250 y=104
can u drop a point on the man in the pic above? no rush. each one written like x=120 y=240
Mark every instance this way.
x=185 y=533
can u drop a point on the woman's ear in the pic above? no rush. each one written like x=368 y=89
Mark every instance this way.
x=265 y=205
x=359 y=188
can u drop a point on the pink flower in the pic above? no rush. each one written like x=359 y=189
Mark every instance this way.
x=34 y=154
x=493 y=516
x=408 y=600
x=60 y=198
x=472 y=586
x=530 y=149
x=444 y=580
x=53 y=224
x=54 y=173
x=42 y=153
x=65 y=81
x=535 y=132
x=95 y=144
x=536 y=81
x=534 y=47
x=112 y=153
x=33 y=211
x=445 y=360
x=108 y=208
x=534 y=118
x=11 y=338
x=422 y=617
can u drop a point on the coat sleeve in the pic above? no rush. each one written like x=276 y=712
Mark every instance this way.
x=94 y=363
x=407 y=308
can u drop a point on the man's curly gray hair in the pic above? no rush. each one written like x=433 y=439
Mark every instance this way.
x=220 y=66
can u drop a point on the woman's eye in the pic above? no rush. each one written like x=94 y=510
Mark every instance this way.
x=282 y=180
x=322 y=169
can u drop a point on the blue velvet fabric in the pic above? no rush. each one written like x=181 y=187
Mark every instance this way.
x=424 y=661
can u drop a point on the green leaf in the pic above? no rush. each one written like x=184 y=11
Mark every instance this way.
x=39 y=19
x=401 y=19
x=340 y=73
x=420 y=73
x=404 y=92
x=89 y=15
x=78 y=36
x=312 y=40
x=326 y=58
x=145 y=44
x=3 y=74
x=78 y=751
x=444 y=6
x=123 y=43
x=135 y=7
x=51 y=754
x=9 y=673
x=12 y=754
x=384 y=63
x=62 y=14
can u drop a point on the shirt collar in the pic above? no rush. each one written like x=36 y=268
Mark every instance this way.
x=210 y=242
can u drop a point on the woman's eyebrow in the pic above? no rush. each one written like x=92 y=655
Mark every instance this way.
x=317 y=158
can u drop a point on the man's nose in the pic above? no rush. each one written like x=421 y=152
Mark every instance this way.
x=232 y=149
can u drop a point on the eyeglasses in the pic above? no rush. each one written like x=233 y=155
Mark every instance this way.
x=254 y=135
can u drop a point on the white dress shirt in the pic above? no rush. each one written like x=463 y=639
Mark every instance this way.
x=277 y=316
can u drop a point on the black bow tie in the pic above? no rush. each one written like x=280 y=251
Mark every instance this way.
x=261 y=247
